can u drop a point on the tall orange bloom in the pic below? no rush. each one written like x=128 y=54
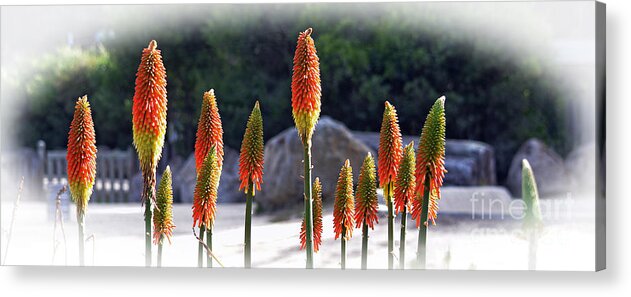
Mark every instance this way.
x=343 y=209
x=366 y=202
x=205 y=194
x=405 y=185
x=81 y=155
x=305 y=87
x=251 y=158
x=149 y=114
x=430 y=162
x=389 y=156
x=317 y=218
x=390 y=146
x=209 y=131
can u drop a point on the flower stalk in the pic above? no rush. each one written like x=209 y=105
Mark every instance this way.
x=308 y=215
x=305 y=102
x=81 y=157
x=205 y=200
x=429 y=174
x=209 y=135
x=404 y=193
x=247 y=253
x=251 y=159
x=344 y=209
x=149 y=123
x=200 y=247
x=532 y=218
x=389 y=157
x=422 y=229
x=160 y=243
x=209 y=243
x=366 y=203
x=163 y=212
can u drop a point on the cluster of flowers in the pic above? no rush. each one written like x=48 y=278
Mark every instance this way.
x=409 y=182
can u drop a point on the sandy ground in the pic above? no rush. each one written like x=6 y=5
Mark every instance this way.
x=459 y=241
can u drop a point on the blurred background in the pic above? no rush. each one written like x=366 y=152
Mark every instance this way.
x=518 y=78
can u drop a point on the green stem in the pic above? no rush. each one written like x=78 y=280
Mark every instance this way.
x=148 y=230
x=160 y=251
x=81 y=224
x=422 y=230
x=200 y=251
x=532 y=250
x=343 y=250
x=247 y=255
x=390 y=226
x=209 y=243
x=365 y=246
x=308 y=204
x=404 y=218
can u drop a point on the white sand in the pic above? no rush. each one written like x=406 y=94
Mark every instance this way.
x=457 y=242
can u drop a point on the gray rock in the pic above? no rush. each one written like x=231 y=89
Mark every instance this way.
x=468 y=162
x=547 y=165
x=581 y=167
x=283 y=173
x=185 y=178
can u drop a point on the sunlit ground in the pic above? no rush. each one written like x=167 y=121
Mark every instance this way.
x=458 y=241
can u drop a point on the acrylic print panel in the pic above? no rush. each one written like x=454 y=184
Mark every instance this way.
x=368 y=135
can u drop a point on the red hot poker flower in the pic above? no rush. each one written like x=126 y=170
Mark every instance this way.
x=343 y=209
x=305 y=87
x=366 y=202
x=209 y=131
x=149 y=114
x=390 y=146
x=430 y=162
x=163 y=217
x=81 y=155
x=317 y=218
x=205 y=194
x=405 y=185
x=252 y=148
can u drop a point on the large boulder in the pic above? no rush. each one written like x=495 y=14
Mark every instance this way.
x=547 y=165
x=283 y=184
x=468 y=162
x=185 y=178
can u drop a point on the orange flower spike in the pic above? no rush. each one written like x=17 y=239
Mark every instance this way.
x=390 y=146
x=81 y=155
x=209 y=131
x=317 y=218
x=205 y=194
x=149 y=112
x=366 y=202
x=163 y=216
x=305 y=87
x=405 y=184
x=430 y=162
x=343 y=209
x=251 y=157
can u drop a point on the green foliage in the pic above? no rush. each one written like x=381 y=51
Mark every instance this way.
x=59 y=78
x=388 y=52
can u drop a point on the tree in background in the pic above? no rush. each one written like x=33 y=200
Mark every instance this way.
x=384 y=52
